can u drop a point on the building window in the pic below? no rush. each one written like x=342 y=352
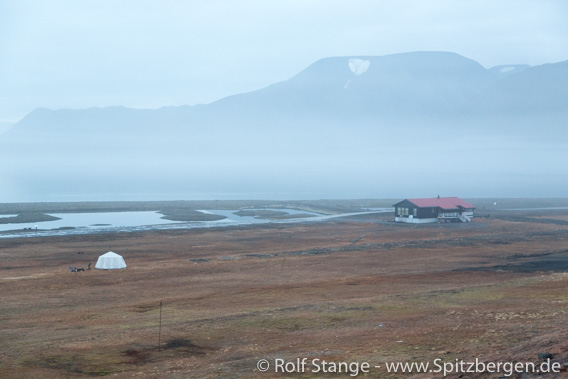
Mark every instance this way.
x=415 y=212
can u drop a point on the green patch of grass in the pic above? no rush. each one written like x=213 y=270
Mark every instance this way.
x=260 y=213
x=183 y=214
x=28 y=217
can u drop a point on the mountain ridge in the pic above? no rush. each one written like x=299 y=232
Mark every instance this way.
x=339 y=123
x=336 y=62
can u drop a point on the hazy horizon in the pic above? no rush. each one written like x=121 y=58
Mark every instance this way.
x=284 y=118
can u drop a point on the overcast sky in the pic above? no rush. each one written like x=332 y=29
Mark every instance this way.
x=148 y=54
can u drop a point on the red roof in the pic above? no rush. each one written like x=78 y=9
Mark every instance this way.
x=442 y=202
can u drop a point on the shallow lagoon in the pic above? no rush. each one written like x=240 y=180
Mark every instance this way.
x=87 y=223
x=92 y=221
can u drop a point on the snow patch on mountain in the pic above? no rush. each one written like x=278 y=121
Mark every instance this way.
x=505 y=70
x=358 y=66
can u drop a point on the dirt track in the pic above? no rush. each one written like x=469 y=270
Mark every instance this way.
x=346 y=290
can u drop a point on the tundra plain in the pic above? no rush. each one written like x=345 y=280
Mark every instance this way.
x=356 y=289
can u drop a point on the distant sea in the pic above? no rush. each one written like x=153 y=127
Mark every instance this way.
x=282 y=196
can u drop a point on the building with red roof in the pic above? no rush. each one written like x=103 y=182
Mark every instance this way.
x=437 y=209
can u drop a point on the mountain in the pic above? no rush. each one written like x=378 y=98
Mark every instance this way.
x=333 y=129
x=505 y=70
x=421 y=83
x=541 y=89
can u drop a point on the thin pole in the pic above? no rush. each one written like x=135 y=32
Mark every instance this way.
x=160 y=329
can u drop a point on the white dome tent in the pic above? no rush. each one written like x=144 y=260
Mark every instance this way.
x=110 y=261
